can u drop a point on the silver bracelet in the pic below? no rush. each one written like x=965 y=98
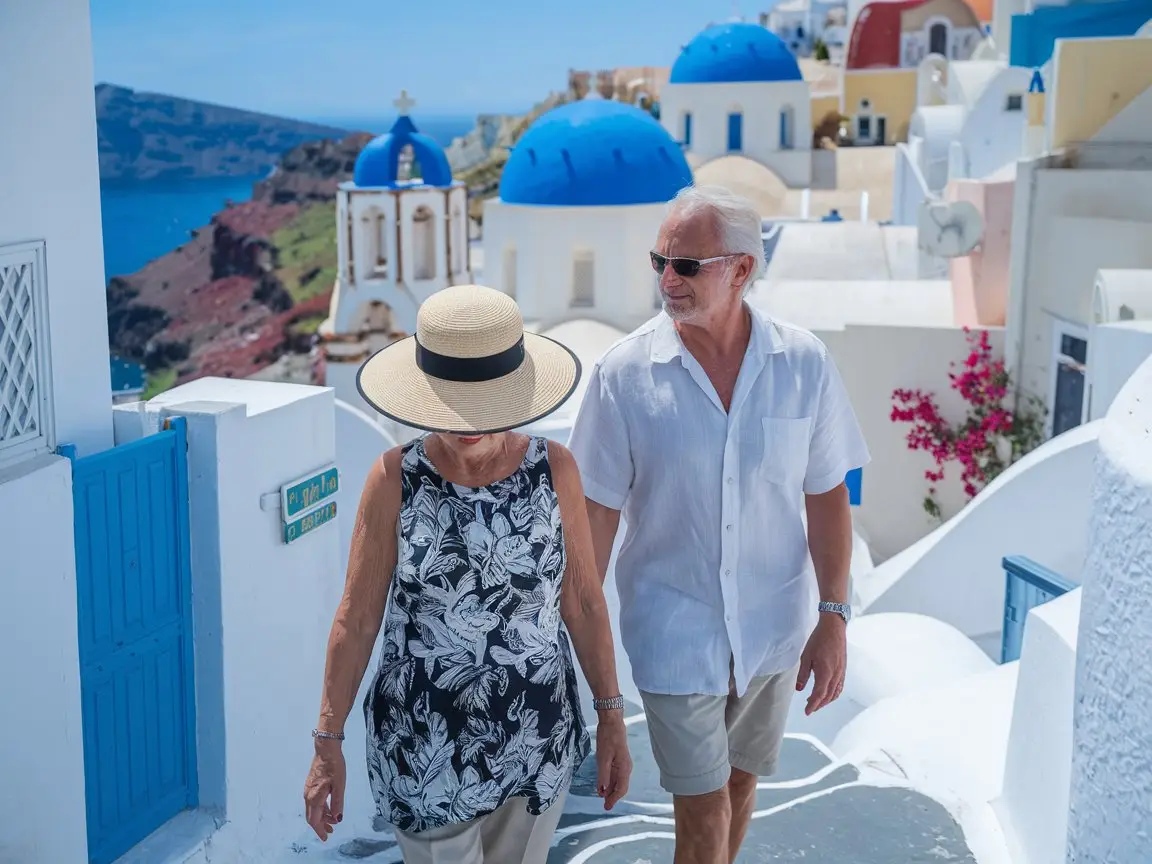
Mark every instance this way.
x=333 y=736
x=611 y=703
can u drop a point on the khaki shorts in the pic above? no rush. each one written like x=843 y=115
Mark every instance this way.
x=698 y=739
x=510 y=833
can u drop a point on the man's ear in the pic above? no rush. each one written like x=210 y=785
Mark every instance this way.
x=742 y=274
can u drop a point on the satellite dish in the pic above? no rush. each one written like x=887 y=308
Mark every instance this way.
x=949 y=230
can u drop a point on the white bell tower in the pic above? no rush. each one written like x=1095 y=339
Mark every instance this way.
x=401 y=234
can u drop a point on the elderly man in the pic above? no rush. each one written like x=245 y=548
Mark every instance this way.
x=713 y=428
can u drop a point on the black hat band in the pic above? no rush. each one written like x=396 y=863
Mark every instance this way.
x=470 y=368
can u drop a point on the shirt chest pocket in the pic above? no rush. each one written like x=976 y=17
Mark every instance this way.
x=785 y=454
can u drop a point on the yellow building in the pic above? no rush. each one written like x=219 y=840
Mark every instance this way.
x=1085 y=68
x=890 y=39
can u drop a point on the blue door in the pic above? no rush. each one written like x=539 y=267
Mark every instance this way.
x=135 y=628
x=735 y=133
x=1026 y=585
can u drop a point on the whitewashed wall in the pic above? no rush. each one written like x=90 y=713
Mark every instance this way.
x=761 y=104
x=1039 y=507
x=909 y=188
x=1118 y=350
x=1033 y=804
x=874 y=361
x=542 y=242
x=50 y=190
x=1066 y=225
x=360 y=442
x=262 y=609
x=41 y=736
x=1111 y=791
x=992 y=136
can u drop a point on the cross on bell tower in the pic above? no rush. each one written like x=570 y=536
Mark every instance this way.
x=404 y=103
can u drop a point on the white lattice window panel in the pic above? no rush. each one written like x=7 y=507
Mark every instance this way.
x=25 y=364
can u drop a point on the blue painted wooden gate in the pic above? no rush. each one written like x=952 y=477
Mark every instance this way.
x=1026 y=585
x=135 y=628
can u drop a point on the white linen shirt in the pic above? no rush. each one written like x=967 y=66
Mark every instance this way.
x=714 y=571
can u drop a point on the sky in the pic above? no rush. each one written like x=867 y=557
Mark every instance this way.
x=338 y=59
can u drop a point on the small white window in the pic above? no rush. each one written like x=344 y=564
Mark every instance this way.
x=26 y=419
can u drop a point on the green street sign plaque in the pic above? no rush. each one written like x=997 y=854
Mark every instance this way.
x=304 y=494
x=297 y=528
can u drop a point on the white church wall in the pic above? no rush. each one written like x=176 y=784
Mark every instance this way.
x=1111 y=787
x=51 y=192
x=397 y=247
x=550 y=286
x=993 y=131
x=761 y=105
x=41 y=737
x=262 y=608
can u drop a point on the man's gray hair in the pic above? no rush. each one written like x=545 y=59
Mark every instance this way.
x=737 y=220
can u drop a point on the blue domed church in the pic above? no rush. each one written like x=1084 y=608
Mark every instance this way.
x=401 y=235
x=581 y=199
x=736 y=90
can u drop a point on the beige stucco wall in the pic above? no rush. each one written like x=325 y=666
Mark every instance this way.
x=891 y=92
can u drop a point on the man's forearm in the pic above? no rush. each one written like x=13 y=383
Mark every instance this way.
x=605 y=523
x=830 y=542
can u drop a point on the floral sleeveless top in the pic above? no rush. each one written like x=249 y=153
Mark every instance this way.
x=475 y=700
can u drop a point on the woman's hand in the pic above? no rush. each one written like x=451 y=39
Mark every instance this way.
x=613 y=764
x=324 y=788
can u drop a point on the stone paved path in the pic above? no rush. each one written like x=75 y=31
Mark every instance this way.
x=811 y=812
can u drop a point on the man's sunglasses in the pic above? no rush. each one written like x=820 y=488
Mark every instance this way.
x=684 y=267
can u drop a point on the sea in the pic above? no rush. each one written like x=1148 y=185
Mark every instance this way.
x=147 y=219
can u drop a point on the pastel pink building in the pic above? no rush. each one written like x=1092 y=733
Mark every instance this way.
x=980 y=279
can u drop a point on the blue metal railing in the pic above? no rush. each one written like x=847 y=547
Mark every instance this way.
x=1026 y=585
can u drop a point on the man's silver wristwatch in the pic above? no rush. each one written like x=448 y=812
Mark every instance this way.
x=841 y=609
x=611 y=703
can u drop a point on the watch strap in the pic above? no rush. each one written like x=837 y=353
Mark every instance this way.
x=610 y=703
x=841 y=609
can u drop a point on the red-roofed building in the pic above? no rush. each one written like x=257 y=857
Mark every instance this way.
x=891 y=34
x=889 y=42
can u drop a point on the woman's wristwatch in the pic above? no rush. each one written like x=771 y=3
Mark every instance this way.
x=611 y=703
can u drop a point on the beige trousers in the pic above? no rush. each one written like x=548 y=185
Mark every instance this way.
x=508 y=835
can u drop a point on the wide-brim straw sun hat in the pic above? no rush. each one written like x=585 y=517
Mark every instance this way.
x=470 y=369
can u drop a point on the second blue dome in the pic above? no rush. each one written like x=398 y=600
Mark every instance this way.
x=594 y=153
x=734 y=53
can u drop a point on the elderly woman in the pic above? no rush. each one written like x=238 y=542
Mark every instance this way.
x=475 y=539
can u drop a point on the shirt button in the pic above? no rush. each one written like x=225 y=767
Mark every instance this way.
x=727 y=572
x=729 y=526
x=729 y=479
